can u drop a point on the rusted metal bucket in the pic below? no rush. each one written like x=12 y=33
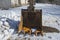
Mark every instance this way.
x=32 y=19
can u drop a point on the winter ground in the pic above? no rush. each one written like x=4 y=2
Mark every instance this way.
x=9 y=20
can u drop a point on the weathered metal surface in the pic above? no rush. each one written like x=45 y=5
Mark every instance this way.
x=32 y=19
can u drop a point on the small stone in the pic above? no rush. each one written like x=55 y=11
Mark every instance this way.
x=49 y=37
x=8 y=39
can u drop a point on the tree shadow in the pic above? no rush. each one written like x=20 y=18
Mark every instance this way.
x=47 y=29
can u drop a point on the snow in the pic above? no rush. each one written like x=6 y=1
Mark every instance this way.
x=50 y=21
x=9 y=20
x=33 y=30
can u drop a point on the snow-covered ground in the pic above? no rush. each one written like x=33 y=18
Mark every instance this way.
x=9 y=20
